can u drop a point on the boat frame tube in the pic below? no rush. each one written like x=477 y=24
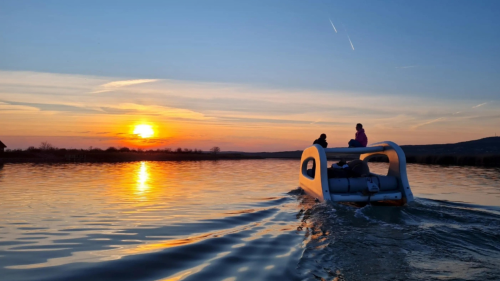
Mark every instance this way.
x=318 y=186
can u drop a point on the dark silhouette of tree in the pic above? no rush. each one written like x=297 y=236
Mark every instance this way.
x=215 y=149
x=124 y=149
x=46 y=146
x=111 y=149
x=178 y=150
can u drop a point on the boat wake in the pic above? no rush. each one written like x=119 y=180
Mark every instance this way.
x=428 y=240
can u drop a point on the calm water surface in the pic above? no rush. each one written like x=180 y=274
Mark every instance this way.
x=240 y=220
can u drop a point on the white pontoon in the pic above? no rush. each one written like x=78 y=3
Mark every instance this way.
x=392 y=188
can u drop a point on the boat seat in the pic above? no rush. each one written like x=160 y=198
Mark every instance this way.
x=354 y=185
x=357 y=168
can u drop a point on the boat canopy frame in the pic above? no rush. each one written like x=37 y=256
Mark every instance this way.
x=318 y=186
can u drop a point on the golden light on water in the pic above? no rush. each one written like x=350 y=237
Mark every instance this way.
x=144 y=131
x=142 y=178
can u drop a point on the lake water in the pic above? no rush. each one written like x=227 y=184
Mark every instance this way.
x=240 y=220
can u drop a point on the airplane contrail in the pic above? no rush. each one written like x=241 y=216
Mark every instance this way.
x=350 y=42
x=352 y=46
x=333 y=25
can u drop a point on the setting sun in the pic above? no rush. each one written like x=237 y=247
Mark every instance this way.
x=144 y=131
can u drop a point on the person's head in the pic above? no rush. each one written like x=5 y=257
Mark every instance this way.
x=322 y=136
x=359 y=127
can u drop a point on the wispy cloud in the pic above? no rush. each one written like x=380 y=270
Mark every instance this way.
x=488 y=117
x=5 y=106
x=315 y=122
x=61 y=107
x=118 y=84
x=428 y=122
x=479 y=105
x=333 y=26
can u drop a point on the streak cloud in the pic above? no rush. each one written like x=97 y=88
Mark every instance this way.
x=333 y=26
x=352 y=46
x=479 y=105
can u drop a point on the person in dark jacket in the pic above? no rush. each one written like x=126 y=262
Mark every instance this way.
x=321 y=141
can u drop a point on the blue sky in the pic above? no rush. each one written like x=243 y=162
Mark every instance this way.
x=272 y=43
x=443 y=51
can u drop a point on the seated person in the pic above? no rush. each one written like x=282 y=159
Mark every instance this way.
x=321 y=141
x=360 y=138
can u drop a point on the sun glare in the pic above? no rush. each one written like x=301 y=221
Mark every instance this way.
x=144 y=131
x=142 y=178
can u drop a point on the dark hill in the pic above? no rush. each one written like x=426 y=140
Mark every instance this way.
x=486 y=146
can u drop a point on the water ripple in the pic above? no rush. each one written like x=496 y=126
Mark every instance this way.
x=239 y=220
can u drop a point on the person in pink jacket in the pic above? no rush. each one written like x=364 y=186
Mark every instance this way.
x=360 y=140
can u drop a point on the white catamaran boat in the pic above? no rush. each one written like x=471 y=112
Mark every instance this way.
x=364 y=187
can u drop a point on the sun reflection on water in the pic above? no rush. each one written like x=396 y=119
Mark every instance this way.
x=142 y=178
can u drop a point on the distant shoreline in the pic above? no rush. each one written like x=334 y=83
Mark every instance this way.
x=483 y=152
x=455 y=160
x=114 y=157
x=451 y=160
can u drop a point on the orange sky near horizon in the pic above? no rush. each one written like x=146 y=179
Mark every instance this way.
x=77 y=111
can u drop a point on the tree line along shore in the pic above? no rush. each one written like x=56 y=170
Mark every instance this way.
x=93 y=156
x=46 y=153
